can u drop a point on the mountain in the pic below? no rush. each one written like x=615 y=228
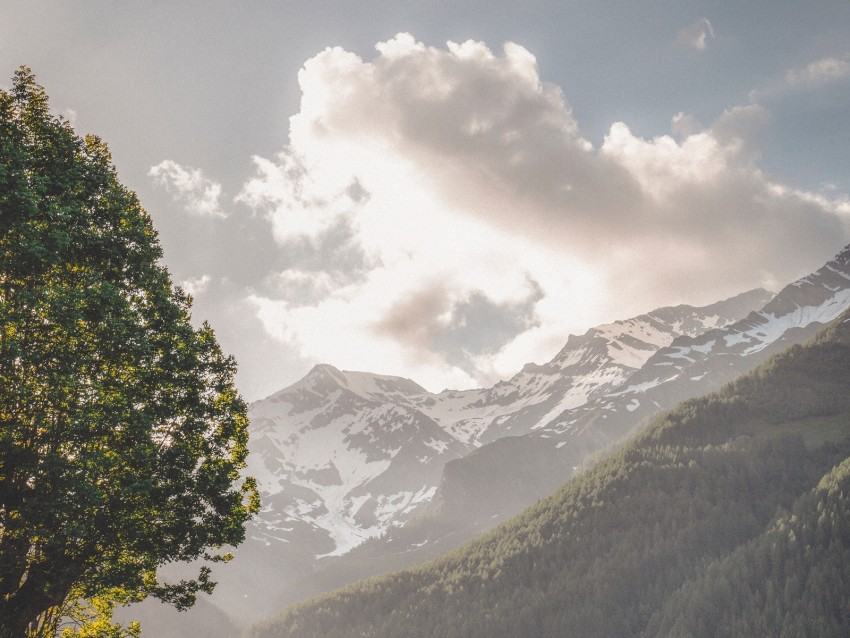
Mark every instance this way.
x=362 y=473
x=355 y=453
x=721 y=355
x=690 y=365
x=650 y=541
x=347 y=452
x=342 y=457
x=501 y=478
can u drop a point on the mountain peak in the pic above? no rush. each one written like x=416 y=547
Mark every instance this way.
x=631 y=342
x=325 y=370
x=843 y=256
x=323 y=379
x=824 y=287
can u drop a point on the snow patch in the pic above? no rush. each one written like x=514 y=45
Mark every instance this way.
x=736 y=338
x=704 y=348
x=640 y=387
x=438 y=446
x=345 y=535
x=774 y=327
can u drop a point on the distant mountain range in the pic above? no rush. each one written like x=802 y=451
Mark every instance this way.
x=354 y=454
x=689 y=365
x=363 y=473
x=342 y=457
x=727 y=516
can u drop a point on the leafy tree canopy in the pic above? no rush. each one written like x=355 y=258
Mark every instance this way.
x=121 y=433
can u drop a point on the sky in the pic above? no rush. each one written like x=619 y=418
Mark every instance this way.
x=446 y=190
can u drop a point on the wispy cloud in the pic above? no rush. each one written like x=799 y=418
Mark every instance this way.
x=816 y=75
x=696 y=35
x=199 y=195
x=483 y=227
x=819 y=73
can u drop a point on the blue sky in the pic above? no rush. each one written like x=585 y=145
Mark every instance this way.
x=449 y=212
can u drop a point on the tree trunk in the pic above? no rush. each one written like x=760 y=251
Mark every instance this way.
x=12 y=626
x=39 y=592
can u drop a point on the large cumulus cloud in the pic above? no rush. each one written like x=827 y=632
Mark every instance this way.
x=455 y=185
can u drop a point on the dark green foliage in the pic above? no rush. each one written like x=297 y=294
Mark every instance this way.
x=791 y=581
x=121 y=434
x=607 y=553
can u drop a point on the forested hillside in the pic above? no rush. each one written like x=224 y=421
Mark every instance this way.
x=793 y=580
x=731 y=498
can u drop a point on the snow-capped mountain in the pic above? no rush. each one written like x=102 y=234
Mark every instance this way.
x=361 y=473
x=347 y=452
x=798 y=311
x=342 y=457
x=690 y=365
x=354 y=454
x=693 y=365
x=534 y=431
x=587 y=366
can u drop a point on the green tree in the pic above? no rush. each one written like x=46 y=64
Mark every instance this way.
x=121 y=434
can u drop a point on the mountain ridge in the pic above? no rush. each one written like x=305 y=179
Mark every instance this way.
x=496 y=480
x=330 y=483
x=605 y=553
x=452 y=423
x=367 y=473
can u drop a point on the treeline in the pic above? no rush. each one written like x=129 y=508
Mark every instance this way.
x=651 y=540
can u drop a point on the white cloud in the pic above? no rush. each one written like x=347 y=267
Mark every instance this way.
x=696 y=35
x=816 y=75
x=819 y=73
x=458 y=189
x=199 y=195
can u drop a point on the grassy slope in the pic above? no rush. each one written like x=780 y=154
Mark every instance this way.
x=608 y=552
